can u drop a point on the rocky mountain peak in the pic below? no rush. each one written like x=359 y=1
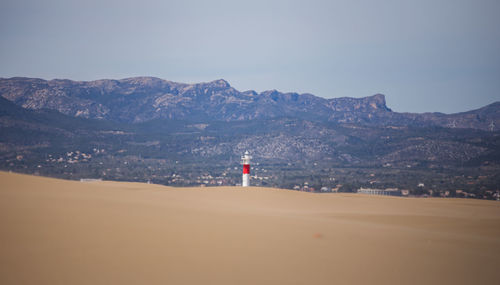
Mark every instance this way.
x=220 y=83
x=378 y=97
x=144 y=81
x=377 y=101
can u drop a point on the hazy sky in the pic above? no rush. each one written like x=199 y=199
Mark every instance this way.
x=436 y=55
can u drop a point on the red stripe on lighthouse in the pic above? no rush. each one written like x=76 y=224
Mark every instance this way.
x=246 y=168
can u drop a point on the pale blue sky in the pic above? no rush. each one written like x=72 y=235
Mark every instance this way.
x=440 y=55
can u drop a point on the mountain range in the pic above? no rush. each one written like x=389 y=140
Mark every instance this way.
x=148 y=129
x=142 y=99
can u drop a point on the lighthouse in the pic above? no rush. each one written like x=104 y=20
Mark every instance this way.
x=245 y=160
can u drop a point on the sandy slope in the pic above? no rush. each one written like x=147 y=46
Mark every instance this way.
x=63 y=232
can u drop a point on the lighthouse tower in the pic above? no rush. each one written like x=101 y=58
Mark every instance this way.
x=245 y=160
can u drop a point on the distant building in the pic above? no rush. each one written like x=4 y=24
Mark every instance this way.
x=325 y=189
x=306 y=187
x=90 y=180
x=384 y=192
x=371 y=191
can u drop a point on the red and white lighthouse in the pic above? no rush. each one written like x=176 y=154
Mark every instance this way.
x=245 y=160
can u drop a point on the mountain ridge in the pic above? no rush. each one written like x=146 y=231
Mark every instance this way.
x=140 y=99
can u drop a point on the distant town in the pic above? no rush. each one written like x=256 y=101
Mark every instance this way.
x=97 y=164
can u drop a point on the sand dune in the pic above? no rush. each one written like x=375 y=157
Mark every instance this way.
x=65 y=232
